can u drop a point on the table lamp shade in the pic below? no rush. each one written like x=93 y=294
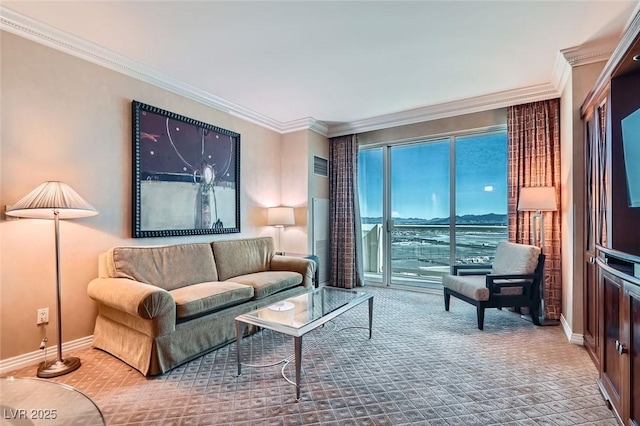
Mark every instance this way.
x=49 y=197
x=540 y=198
x=280 y=216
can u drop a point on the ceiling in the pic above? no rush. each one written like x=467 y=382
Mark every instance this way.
x=336 y=62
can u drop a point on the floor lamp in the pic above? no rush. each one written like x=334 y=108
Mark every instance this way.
x=54 y=200
x=538 y=199
x=280 y=217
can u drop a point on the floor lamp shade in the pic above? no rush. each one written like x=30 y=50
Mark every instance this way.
x=54 y=200
x=537 y=199
x=49 y=197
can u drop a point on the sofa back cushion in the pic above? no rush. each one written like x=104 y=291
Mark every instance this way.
x=168 y=267
x=243 y=256
x=512 y=258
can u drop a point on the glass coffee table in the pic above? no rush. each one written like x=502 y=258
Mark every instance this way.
x=297 y=316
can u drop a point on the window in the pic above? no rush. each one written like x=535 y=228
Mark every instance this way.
x=407 y=192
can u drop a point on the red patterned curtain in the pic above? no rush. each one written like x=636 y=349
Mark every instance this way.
x=344 y=213
x=534 y=160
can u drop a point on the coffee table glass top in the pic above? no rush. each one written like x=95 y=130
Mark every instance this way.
x=297 y=315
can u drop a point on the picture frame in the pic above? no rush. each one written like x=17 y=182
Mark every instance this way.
x=186 y=175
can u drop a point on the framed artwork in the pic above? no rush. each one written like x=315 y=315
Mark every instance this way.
x=186 y=175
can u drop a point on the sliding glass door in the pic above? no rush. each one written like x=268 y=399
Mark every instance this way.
x=419 y=230
x=371 y=189
x=407 y=193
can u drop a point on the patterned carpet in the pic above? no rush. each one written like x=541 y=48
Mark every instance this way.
x=423 y=366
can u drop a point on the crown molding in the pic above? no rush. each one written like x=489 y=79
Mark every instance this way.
x=447 y=109
x=31 y=29
x=307 y=123
x=572 y=57
x=630 y=34
x=561 y=72
x=590 y=53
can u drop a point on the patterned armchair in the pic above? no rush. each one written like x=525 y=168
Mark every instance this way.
x=513 y=280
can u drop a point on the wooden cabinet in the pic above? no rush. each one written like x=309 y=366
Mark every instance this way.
x=612 y=233
x=620 y=346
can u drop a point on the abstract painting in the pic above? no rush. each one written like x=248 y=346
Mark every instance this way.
x=186 y=175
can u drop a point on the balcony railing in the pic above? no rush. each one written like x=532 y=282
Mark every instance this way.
x=422 y=253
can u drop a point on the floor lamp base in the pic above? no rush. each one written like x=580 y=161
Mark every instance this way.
x=543 y=321
x=57 y=368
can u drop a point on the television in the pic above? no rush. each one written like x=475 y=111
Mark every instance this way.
x=631 y=148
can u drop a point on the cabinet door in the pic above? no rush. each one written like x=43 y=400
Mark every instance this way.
x=633 y=304
x=602 y=176
x=595 y=222
x=611 y=362
x=590 y=294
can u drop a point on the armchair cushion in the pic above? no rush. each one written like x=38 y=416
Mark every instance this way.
x=512 y=258
x=473 y=286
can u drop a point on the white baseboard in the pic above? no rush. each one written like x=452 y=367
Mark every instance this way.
x=36 y=357
x=574 y=338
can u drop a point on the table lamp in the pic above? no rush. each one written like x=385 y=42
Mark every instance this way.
x=280 y=217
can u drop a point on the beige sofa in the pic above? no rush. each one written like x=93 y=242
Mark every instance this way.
x=159 y=307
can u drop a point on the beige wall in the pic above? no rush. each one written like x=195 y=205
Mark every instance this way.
x=67 y=119
x=300 y=185
x=294 y=183
x=580 y=82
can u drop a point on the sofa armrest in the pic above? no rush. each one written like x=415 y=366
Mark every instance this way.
x=138 y=299
x=306 y=267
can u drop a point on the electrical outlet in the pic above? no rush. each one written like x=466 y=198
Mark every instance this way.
x=43 y=316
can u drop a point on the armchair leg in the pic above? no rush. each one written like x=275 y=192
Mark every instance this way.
x=447 y=299
x=535 y=314
x=480 y=311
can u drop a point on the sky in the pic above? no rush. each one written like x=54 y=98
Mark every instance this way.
x=420 y=178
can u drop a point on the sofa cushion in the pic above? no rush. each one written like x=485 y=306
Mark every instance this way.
x=270 y=282
x=512 y=258
x=198 y=299
x=167 y=267
x=241 y=257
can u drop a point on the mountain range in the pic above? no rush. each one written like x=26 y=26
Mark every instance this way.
x=467 y=219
